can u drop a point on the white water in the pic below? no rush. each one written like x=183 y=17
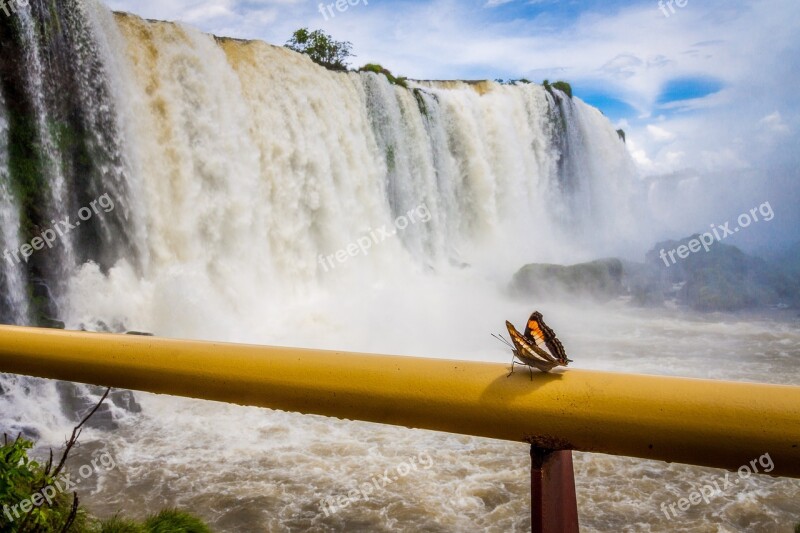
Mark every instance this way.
x=13 y=280
x=37 y=66
x=244 y=163
x=251 y=162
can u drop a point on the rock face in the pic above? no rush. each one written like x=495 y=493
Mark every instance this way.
x=77 y=400
x=599 y=279
x=722 y=279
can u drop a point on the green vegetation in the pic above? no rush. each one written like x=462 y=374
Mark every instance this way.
x=423 y=107
x=513 y=82
x=321 y=48
x=562 y=86
x=31 y=499
x=172 y=521
x=797 y=528
x=20 y=478
x=621 y=134
x=377 y=69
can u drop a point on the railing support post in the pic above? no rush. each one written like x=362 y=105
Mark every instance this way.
x=554 y=506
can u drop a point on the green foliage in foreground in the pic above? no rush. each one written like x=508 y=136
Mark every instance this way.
x=172 y=521
x=377 y=69
x=321 y=48
x=21 y=477
x=797 y=528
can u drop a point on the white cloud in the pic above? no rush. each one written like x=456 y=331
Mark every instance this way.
x=660 y=134
x=774 y=123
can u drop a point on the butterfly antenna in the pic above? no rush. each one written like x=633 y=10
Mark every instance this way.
x=501 y=339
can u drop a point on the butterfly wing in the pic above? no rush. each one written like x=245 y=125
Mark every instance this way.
x=529 y=353
x=538 y=333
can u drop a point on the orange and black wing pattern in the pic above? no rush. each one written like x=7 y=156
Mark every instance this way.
x=538 y=333
x=529 y=353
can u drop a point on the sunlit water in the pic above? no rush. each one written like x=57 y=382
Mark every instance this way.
x=239 y=163
x=248 y=469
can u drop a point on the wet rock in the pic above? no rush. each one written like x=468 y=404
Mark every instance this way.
x=600 y=279
x=124 y=399
x=77 y=400
x=51 y=323
x=723 y=278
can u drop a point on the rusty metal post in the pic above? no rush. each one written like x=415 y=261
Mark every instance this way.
x=554 y=506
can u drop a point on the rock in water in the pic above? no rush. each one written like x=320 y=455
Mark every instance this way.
x=599 y=279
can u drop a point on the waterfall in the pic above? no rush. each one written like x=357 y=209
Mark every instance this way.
x=14 y=303
x=239 y=170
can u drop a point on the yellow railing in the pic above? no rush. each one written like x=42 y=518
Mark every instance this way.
x=710 y=423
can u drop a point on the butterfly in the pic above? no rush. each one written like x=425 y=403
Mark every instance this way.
x=538 y=347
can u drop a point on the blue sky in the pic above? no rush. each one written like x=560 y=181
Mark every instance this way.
x=708 y=88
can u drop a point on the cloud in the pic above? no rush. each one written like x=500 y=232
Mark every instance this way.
x=659 y=134
x=774 y=123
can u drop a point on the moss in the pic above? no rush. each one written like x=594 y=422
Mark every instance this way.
x=378 y=69
x=391 y=162
x=423 y=107
x=562 y=86
x=26 y=168
x=174 y=521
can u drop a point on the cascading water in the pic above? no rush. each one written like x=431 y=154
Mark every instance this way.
x=14 y=303
x=241 y=172
x=153 y=113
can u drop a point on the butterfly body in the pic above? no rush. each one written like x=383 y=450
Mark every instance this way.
x=538 y=347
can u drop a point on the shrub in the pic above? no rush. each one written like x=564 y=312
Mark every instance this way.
x=20 y=478
x=321 y=48
x=562 y=86
x=378 y=69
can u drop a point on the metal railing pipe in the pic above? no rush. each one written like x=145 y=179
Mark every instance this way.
x=701 y=422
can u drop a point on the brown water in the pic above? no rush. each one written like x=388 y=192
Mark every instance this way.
x=248 y=469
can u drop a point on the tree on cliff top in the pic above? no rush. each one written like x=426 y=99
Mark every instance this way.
x=321 y=48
